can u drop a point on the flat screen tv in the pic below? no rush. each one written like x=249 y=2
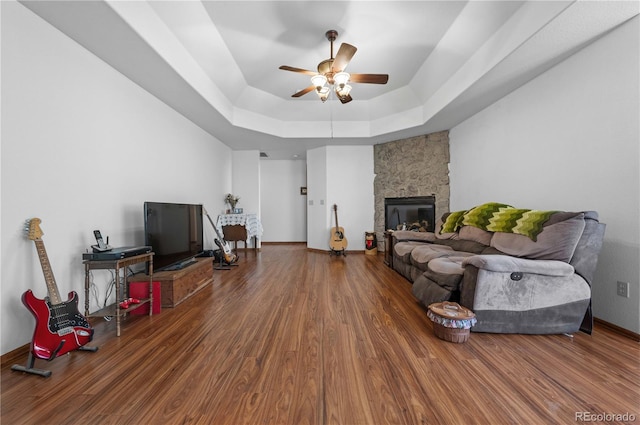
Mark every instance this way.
x=174 y=232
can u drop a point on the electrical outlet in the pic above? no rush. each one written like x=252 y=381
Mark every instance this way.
x=622 y=289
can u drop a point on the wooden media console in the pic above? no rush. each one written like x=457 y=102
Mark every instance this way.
x=178 y=285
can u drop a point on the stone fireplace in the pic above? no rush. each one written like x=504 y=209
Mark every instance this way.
x=408 y=168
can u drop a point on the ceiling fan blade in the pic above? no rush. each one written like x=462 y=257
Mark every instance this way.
x=293 y=69
x=369 y=78
x=304 y=91
x=345 y=53
x=345 y=99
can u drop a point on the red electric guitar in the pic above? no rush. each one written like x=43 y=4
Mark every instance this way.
x=60 y=327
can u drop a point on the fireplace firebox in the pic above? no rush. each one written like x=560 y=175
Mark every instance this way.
x=410 y=213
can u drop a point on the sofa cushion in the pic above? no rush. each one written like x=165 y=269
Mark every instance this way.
x=448 y=265
x=428 y=292
x=462 y=245
x=423 y=254
x=445 y=272
x=563 y=215
x=410 y=235
x=556 y=241
x=510 y=264
x=403 y=250
x=471 y=233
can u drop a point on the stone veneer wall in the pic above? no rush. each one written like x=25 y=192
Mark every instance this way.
x=418 y=166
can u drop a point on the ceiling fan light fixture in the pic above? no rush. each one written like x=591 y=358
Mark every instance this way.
x=323 y=93
x=343 y=91
x=330 y=78
x=318 y=81
x=341 y=78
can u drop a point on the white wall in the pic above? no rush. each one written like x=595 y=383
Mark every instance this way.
x=284 y=209
x=246 y=180
x=350 y=186
x=568 y=140
x=317 y=213
x=346 y=174
x=82 y=148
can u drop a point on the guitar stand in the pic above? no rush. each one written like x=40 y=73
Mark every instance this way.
x=42 y=372
x=337 y=253
x=227 y=267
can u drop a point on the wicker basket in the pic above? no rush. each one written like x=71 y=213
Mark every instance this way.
x=451 y=321
x=451 y=334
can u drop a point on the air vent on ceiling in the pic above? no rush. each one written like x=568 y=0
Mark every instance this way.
x=264 y=155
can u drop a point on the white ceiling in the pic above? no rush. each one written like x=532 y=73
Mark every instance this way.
x=216 y=62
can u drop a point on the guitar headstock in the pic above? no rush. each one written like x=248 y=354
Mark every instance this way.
x=33 y=229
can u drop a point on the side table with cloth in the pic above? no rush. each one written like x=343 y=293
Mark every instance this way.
x=240 y=228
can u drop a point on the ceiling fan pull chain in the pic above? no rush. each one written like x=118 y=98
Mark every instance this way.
x=331 y=118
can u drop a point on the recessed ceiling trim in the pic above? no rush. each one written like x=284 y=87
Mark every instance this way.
x=478 y=51
x=140 y=16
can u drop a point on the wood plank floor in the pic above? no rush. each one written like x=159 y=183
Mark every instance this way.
x=298 y=337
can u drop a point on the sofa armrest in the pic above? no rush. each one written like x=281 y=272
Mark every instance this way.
x=407 y=235
x=509 y=264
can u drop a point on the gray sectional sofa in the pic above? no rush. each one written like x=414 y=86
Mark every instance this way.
x=519 y=271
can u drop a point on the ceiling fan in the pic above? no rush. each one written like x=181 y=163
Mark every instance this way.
x=331 y=71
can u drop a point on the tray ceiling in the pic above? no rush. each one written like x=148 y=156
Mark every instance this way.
x=216 y=62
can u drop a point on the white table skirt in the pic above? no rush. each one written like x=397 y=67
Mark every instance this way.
x=251 y=222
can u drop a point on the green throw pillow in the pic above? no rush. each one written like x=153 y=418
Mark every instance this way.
x=452 y=222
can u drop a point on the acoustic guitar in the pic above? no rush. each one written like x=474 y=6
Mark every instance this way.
x=337 y=240
x=60 y=327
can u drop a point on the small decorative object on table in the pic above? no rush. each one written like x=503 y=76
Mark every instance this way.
x=370 y=243
x=451 y=321
x=231 y=200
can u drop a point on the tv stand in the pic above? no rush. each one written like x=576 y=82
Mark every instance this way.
x=178 y=285
x=179 y=266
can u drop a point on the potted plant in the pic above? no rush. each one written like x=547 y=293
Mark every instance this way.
x=232 y=201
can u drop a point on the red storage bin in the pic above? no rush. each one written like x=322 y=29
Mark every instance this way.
x=140 y=290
